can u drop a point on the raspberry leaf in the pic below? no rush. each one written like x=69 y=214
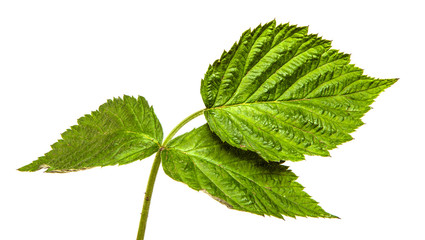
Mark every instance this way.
x=239 y=179
x=123 y=130
x=285 y=94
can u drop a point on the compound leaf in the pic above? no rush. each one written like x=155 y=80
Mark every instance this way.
x=123 y=130
x=285 y=94
x=239 y=179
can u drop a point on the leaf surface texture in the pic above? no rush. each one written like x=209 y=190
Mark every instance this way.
x=123 y=130
x=239 y=179
x=285 y=94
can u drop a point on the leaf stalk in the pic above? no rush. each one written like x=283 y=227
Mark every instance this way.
x=148 y=196
x=181 y=124
x=154 y=171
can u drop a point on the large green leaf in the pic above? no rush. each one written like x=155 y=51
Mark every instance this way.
x=239 y=179
x=123 y=130
x=284 y=94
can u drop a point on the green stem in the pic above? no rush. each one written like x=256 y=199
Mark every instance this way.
x=148 y=196
x=154 y=172
x=181 y=124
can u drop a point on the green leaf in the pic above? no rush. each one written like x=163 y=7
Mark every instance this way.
x=284 y=94
x=123 y=130
x=239 y=179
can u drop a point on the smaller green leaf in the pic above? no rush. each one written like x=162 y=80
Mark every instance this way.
x=123 y=130
x=239 y=179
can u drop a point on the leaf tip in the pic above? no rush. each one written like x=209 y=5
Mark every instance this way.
x=33 y=167
x=24 y=169
x=393 y=80
x=332 y=216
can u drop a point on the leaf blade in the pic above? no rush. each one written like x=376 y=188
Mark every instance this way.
x=298 y=74
x=239 y=179
x=123 y=130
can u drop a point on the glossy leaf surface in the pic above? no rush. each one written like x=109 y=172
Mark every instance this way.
x=123 y=130
x=285 y=94
x=239 y=179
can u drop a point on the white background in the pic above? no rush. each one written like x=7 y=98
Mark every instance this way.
x=60 y=60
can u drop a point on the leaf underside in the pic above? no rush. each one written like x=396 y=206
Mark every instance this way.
x=123 y=130
x=239 y=179
x=285 y=94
